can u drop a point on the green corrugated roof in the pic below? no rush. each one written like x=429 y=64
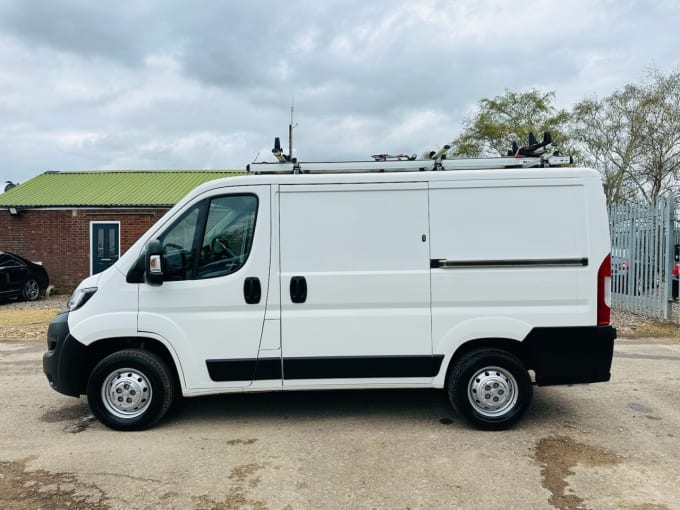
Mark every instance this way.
x=134 y=188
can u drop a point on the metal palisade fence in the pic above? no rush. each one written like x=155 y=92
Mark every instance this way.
x=643 y=240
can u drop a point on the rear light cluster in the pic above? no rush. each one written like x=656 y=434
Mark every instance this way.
x=604 y=291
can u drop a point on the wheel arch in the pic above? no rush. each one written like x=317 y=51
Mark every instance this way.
x=514 y=347
x=97 y=351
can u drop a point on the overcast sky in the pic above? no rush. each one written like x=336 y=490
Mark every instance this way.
x=151 y=84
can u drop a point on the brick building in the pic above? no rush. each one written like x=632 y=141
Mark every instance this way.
x=79 y=223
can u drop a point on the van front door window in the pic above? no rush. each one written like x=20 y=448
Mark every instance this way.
x=211 y=239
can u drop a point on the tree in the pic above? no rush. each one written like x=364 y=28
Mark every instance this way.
x=633 y=138
x=660 y=142
x=609 y=133
x=513 y=115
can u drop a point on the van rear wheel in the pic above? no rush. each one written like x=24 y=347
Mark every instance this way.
x=130 y=390
x=491 y=389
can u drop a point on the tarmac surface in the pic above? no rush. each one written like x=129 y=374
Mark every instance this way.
x=612 y=445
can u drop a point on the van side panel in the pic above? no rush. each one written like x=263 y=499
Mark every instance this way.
x=363 y=251
x=509 y=256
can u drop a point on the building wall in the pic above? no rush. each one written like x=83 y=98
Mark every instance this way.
x=60 y=239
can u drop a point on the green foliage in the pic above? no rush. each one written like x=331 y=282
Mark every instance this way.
x=633 y=138
x=511 y=116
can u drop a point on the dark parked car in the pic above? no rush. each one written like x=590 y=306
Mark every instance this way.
x=21 y=278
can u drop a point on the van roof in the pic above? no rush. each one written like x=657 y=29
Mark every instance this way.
x=395 y=177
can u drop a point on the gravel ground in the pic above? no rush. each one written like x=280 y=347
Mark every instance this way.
x=22 y=321
x=611 y=446
x=44 y=303
x=626 y=322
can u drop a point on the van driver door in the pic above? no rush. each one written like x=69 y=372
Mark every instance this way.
x=210 y=307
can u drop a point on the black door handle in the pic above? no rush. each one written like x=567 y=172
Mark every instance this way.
x=298 y=289
x=252 y=291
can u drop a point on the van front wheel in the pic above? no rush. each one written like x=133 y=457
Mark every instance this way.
x=130 y=390
x=491 y=389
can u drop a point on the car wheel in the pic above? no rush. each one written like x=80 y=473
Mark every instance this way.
x=130 y=390
x=31 y=290
x=491 y=389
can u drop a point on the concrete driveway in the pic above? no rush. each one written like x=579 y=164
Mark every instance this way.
x=603 y=446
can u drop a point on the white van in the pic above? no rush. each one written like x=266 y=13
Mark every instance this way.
x=482 y=282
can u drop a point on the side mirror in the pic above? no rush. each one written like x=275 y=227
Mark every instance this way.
x=154 y=263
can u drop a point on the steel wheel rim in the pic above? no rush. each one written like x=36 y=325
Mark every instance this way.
x=126 y=393
x=32 y=289
x=492 y=391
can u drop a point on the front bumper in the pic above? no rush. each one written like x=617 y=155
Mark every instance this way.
x=65 y=358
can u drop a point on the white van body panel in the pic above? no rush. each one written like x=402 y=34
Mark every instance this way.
x=365 y=258
x=499 y=228
x=400 y=268
x=112 y=311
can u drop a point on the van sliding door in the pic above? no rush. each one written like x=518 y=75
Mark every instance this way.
x=355 y=285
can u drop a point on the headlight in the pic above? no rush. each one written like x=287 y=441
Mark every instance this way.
x=80 y=297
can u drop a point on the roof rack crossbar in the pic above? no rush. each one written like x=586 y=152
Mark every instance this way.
x=546 y=160
x=543 y=154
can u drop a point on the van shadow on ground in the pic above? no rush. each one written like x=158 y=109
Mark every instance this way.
x=424 y=406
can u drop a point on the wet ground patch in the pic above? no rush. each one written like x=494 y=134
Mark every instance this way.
x=242 y=477
x=69 y=413
x=558 y=455
x=78 y=414
x=23 y=489
x=234 y=442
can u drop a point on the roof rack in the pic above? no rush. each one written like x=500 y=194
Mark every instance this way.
x=534 y=155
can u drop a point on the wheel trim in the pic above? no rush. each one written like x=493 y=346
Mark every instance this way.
x=32 y=289
x=126 y=393
x=492 y=392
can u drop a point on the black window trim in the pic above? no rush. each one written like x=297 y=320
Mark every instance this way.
x=199 y=234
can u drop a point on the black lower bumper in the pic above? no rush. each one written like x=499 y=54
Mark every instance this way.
x=570 y=355
x=64 y=359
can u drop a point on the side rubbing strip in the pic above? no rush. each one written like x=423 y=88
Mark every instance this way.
x=324 y=368
x=518 y=263
x=360 y=367
x=244 y=369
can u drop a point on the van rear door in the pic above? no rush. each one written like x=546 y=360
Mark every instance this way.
x=355 y=284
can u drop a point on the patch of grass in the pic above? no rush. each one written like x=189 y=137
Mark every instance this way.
x=25 y=325
x=654 y=329
x=27 y=317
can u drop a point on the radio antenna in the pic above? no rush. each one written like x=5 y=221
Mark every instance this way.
x=290 y=129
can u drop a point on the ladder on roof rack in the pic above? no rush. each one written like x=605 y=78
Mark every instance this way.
x=420 y=165
x=534 y=155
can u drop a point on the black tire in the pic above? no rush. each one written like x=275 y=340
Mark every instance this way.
x=31 y=290
x=130 y=390
x=503 y=378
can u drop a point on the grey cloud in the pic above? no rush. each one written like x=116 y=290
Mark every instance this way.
x=174 y=85
x=89 y=29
